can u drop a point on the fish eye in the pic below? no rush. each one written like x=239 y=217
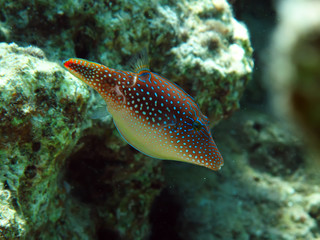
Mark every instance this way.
x=197 y=125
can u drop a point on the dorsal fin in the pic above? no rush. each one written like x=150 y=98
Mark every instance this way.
x=140 y=62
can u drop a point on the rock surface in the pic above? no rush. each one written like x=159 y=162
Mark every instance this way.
x=42 y=112
x=65 y=172
x=196 y=44
x=264 y=191
x=47 y=183
x=268 y=188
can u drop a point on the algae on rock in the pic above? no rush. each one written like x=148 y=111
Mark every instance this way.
x=211 y=56
x=47 y=183
x=42 y=112
x=196 y=44
x=12 y=226
x=262 y=193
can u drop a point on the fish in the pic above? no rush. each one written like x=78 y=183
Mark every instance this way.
x=154 y=115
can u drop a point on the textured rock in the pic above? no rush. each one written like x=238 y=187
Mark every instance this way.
x=12 y=226
x=260 y=18
x=53 y=182
x=211 y=55
x=41 y=113
x=197 y=44
x=49 y=188
x=262 y=192
x=266 y=189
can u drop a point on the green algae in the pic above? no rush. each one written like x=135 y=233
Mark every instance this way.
x=196 y=44
x=35 y=129
x=46 y=115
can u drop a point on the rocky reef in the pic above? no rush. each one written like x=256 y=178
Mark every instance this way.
x=42 y=112
x=47 y=183
x=268 y=188
x=262 y=192
x=66 y=173
x=197 y=44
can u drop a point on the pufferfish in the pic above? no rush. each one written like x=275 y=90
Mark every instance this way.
x=152 y=114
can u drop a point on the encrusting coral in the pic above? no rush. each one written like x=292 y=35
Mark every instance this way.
x=58 y=163
x=196 y=44
x=44 y=112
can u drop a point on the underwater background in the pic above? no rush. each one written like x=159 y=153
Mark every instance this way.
x=253 y=67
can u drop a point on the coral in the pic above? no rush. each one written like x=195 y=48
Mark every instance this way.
x=269 y=145
x=11 y=225
x=260 y=18
x=196 y=44
x=212 y=54
x=257 y=194
x=41 y=113
x=265 y=189
x=59 y=161
x=47 y=183
x=294 y=66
